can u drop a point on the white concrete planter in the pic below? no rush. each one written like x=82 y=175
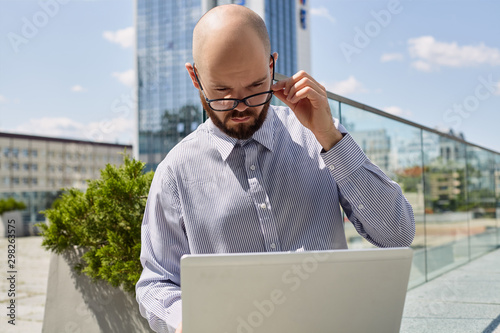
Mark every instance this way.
x=16 y=216
x=77 y=304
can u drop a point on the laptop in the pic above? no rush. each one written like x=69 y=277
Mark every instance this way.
x=360 y=290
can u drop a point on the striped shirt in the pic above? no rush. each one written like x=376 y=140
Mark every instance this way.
x=277 y=191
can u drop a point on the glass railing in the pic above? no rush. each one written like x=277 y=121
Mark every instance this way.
x=452 y=185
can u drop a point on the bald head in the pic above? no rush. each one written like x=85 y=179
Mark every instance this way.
x=226 y=30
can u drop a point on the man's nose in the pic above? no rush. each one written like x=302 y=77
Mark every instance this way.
x=241 y=106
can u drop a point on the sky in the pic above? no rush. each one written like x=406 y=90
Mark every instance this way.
x=67 y=67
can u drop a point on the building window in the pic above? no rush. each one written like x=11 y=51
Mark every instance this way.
x=26 y=166
x=6 y=180
x=6 y=152
x=26 y=180
x=15 y=152
x=34 y=166
x=26 y=153
x=34 y=153
x=15 y=166
x=34 y=181
x=15 y=180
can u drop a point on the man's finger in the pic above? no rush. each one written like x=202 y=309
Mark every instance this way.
x=281 y=96
x=278 y=85
x=179 y=328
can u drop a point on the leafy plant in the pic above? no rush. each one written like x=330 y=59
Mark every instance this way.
x=7 y=205
x=105 y=222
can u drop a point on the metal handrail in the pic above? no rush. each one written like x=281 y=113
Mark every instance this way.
x=371 y=109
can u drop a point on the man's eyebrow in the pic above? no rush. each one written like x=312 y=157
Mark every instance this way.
x=251 y=84
x=258 y=81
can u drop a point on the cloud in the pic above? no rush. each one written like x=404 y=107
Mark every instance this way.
x=322 y=12
x=430 y=54
x=61 y=126
x=346 y=87
x=107 y=130
x=386 y=57
x=111 y=129
x=77 y=88
x=3 y=99
x=127 y=77
x=124 y=37
x=397 y=111
x=497 y=92
x=422 y=66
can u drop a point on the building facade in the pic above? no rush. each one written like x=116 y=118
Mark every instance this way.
x=168 y=105
x=34 y=169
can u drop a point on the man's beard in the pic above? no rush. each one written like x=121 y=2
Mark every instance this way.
x=239 y=131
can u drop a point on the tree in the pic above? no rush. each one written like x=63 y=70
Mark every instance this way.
x=105 y=221
x=7 y=205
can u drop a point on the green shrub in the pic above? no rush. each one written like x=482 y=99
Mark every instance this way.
x=105 y=222
x=7 y=205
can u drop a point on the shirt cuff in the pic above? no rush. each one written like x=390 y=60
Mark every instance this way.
x=344 y=158
x=175 y=314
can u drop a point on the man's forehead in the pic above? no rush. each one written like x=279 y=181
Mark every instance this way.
x=239 y=72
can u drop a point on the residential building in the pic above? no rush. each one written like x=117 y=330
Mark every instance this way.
x=34 y=169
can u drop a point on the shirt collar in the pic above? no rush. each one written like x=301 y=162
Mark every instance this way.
x=225 y=143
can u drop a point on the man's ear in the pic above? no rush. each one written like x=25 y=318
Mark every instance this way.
x=190 y=70
x=275 y=56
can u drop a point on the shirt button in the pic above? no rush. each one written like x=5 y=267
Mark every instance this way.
x=360 y=206
x=252 y=167
x=331 y=167
x=263 y=206
x=272 y=245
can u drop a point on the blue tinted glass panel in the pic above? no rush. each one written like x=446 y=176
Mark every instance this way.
x=497 y=195
x=396 y=148
x=447 y=216
x=482 y=200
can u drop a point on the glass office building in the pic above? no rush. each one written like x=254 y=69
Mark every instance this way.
x=168 y=105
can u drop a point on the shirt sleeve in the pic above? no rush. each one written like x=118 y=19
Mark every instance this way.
x=163 y=242
x=372 y=201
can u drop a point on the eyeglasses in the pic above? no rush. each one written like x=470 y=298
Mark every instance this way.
x=227 y=104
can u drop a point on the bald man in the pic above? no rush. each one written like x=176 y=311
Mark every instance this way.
x=256 y=177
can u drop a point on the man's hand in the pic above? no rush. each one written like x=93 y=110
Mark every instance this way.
x=179 y=328
x=307 y=98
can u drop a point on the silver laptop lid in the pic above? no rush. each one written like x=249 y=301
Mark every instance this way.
x=321 y=291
